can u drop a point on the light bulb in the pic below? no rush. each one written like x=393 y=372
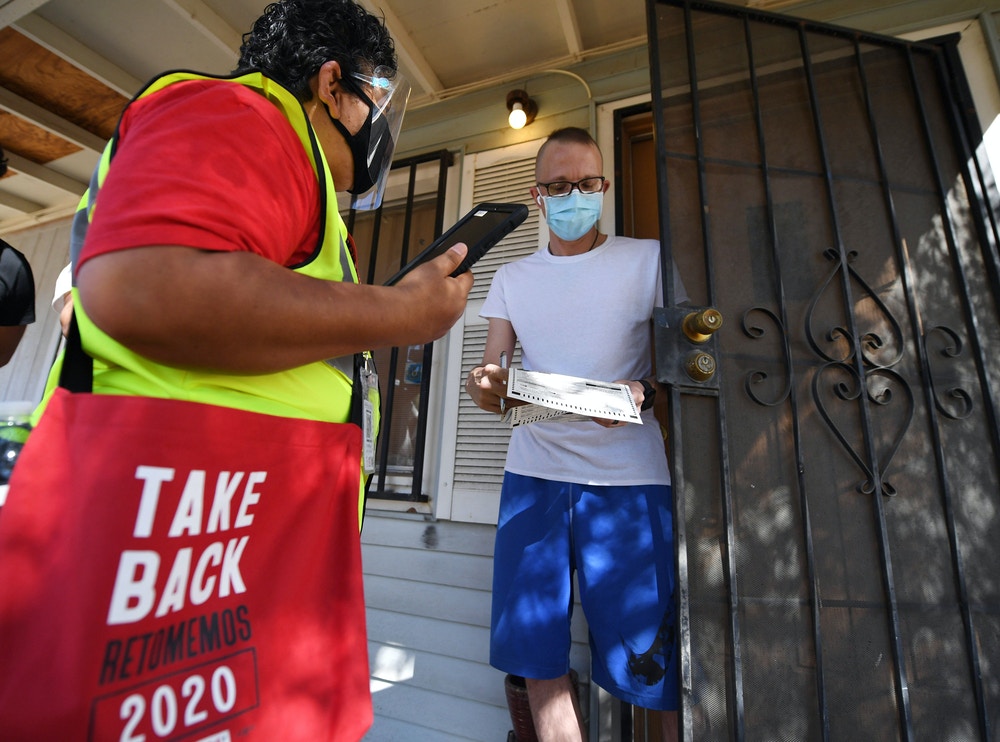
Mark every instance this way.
x=518 y=118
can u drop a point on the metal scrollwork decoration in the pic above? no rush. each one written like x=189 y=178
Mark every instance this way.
x=961 y=401
x=758 y=377
x=871 y=355
x=879 y=385
x=877 y=344
x=858 y=353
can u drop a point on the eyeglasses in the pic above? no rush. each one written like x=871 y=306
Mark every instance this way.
x=560 y=188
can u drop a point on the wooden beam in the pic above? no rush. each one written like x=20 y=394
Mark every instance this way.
x=46 y=175
x=18 y=204
x=570 y=27
x=79 y=55
x=49 y=121
x=209 y=24
x=36 y=217
x=14 y=10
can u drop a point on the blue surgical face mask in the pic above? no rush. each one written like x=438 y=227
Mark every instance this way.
x=572 y=216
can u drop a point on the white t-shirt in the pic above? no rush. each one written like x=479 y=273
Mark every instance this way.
x=586 y=315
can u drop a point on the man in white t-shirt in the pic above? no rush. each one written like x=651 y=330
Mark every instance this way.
x=591 y=496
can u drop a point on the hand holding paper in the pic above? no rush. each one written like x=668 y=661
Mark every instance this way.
x=560 y=397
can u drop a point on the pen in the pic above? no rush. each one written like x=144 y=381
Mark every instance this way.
x=503 y=364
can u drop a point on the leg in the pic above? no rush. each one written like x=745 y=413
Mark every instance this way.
x=668 y=720
x=628 y=597
x=555 y=710
x=533 y=598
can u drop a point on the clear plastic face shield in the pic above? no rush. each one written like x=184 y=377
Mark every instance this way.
x=386 y=93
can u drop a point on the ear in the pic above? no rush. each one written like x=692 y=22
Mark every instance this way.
x=536 y=195
x=328 y=89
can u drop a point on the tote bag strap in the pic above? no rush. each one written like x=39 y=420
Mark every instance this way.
x=77 y=374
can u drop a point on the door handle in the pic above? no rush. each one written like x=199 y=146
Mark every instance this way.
x=686 y=346
x=701 y=325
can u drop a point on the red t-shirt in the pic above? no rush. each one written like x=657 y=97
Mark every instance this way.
x=210 y=165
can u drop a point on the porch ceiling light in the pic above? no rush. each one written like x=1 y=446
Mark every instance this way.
x=522 y=109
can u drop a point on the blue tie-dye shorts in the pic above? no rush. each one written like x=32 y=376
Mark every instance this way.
x=620 y=542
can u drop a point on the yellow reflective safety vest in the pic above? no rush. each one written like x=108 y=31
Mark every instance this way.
x=316 y=391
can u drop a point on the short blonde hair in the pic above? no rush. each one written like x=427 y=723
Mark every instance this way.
x=567 y=135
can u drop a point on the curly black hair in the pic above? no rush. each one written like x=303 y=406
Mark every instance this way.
x=293 y=38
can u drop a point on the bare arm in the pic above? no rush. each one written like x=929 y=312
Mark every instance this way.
x=239 y=312
x=487 y=383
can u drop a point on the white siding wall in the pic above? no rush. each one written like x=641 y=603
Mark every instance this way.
x=47 y=251
x=427 y=589
x=474 y=447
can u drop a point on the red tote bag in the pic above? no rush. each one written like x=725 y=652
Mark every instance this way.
x=173 y=570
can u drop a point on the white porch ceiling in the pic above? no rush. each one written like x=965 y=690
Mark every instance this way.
x=68 y=66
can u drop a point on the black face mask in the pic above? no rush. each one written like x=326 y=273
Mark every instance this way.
x=370 y=147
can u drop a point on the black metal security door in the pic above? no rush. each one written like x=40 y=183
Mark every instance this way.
x=836 y=479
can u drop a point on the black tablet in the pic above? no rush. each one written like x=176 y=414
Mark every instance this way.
x=480 y=229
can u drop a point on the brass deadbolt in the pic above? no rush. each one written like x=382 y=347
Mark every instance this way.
x=700 y=366
x=699 y=326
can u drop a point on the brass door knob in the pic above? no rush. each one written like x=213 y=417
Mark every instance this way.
x=699 y=326
x=700 y=366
